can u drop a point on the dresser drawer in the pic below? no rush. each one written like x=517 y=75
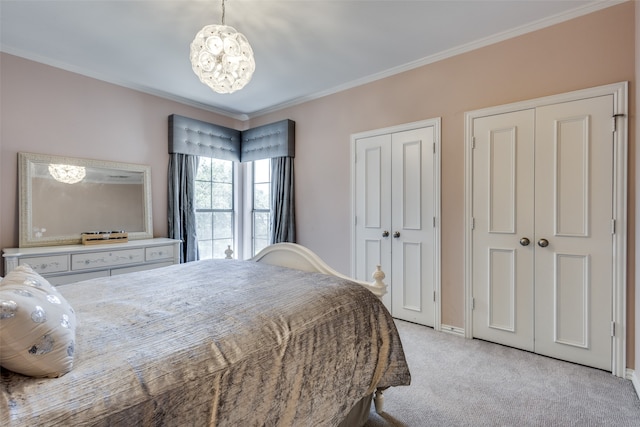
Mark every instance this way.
x=141 y=267
x=47 y=264
x=66 y=264
x=106 y=259
x=65 y=279
x=159 y=252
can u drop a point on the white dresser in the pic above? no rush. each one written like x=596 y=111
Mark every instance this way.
x=71 y=263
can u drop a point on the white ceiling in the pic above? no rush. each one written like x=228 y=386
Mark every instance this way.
x=304 y=49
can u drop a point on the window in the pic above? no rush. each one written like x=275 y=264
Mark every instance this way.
x=220 y=221
x=214 y=194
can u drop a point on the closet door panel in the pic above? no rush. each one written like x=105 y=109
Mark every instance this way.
x=503 y=215
x=373 y=208
x=571 y=296
x=412 y=277
x=571 y=167
x=410 y=197
x=574 y=212
x=412 y=212
x=502 y=290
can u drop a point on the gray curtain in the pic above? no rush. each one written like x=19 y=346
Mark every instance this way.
x=283 y=219
x=182 y=212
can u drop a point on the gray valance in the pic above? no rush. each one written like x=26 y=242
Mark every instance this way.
x=198 y=138
x=269 y=141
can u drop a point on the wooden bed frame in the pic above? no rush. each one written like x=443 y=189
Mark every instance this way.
x=298 y=257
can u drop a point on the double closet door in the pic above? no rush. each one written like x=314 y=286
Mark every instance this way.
x=395 y=215
x=543 y=230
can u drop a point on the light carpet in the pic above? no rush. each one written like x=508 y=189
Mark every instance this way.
x=462 y=382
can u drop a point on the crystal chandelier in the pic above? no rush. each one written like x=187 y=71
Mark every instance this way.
x=222 y=58
x=68 y=174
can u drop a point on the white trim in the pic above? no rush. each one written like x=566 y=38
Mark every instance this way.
x=242 y=236
x=436 y=123
x=619 y=92
x=437 y=233
x=631 y=375
x=453 y=330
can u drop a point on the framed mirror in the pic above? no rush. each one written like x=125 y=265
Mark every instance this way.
x=62 y=197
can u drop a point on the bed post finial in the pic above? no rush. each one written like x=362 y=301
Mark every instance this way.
x=378 y=284
x=228 y=252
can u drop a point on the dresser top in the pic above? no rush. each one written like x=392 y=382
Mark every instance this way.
x=48 y=250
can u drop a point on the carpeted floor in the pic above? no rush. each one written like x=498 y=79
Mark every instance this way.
x=461 y=382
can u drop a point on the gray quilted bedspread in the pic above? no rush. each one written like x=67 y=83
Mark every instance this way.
x=214 y=343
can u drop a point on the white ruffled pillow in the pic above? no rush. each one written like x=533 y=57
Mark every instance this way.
x=37 y=326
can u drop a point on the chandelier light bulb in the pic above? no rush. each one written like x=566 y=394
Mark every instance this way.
x=222 y=58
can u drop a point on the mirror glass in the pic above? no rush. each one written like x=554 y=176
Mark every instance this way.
x=62 y=197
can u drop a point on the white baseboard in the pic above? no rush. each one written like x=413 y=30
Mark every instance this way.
x=452 y=330
x=631 y=375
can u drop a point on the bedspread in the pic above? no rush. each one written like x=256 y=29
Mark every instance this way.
x=215 y=342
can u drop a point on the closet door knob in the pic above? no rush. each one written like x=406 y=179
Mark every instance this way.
x=543 y=243
x=396 y=234
x=385 y=233
x=524 y=241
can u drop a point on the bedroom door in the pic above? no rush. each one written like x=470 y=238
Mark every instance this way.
x=543 y=226
x=395 y=218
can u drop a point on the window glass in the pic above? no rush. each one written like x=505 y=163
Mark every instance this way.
x=214 y=191
x=215 y=211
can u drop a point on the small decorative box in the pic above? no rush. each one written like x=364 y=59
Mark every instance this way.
x=101 y=237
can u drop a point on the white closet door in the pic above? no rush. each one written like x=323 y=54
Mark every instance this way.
x=503 y=212
x=574 y=213
x=412 y=213
x=546 y=175
x=395 y=205
x=373 y=208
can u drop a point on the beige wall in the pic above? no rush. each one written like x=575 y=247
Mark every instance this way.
x=593 y=50
x=51 y=111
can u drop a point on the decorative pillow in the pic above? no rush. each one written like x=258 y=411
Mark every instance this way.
x=37 y=326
